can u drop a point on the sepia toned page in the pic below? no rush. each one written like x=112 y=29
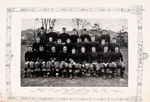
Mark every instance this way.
x=74 y=51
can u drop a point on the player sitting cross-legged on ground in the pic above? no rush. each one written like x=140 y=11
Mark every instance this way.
x=117 y=62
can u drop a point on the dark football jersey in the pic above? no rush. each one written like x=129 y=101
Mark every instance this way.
x=63 y=56
x=74 y=57
x=94 y=44
x=29 y=56
x=105 y=57
x=116 y=56
x=74 y=38
x=106 y=37
x=53 y=35
x=112 y=47
x=35 y=46
x=93 y=57
x=84 y=57
x=64 y=37
x=83 y=36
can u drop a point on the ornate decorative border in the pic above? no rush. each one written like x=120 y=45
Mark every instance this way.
x=136 y=10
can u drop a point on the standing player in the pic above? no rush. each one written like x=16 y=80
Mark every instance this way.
x=105 y=36
x=113 y=45
x=52 y=34
x=117 y=61
x=64 y=36
x=74 y=36
x=85 y=36
x=35 y=46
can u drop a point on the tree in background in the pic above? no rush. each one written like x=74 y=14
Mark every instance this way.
x=79 y=23
x=47 y=22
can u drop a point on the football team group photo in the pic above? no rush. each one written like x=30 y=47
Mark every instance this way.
x=74 y=52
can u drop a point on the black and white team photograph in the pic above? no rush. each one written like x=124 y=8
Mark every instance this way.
x=74 y=52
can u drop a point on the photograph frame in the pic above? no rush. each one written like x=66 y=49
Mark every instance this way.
x=141 y=55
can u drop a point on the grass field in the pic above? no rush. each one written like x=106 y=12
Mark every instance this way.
x=79 y=82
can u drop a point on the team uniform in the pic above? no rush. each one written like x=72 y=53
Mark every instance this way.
x=105 y=66
x=112 y=47
x=29 y=63
x=73 y=38
x=106 y=38
x=117 y=62
x=94 y=66
x=53 y=35
x=64 y=37
x=85 y=36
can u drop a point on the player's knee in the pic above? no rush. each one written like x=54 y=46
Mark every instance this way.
x=101 y=65
x=70 y=65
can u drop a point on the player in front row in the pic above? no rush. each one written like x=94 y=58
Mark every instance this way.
x=117 y=62
x=105 y=65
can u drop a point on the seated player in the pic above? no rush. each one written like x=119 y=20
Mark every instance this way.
x=50 y=43
x=105 y=65
x=117 y=61
x=94 y=66
x=64 y=36
x=74 y=36
x=35 y=46
x=28 y=62
x=73 y=64
x=52 y=34
x=63 y=58
x=113 y=45
x=84 y=59
x=102 y=45
x=54 y=62
x=93 y=43
x=42 y=59
x=105 y=36
x=85 y=35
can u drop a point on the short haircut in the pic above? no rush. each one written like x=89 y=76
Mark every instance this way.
x=63 y=28
x=50 y=27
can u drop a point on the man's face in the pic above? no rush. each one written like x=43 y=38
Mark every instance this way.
x=37 y=40
x=68 y=41
x=53 y=49
x=64 y=49
x=86 y=40
x=93 y=38
x=42 y=31
x=50 y=39
x=30 y=49
x=64 y=30
x=83 y=49
x=74 y=32
x=114 y=41
x=104 y=32
x=93 y=49
x=59 y=41
x=84 y=31
x=73 y=51
x=105 y=49
x=51 y=30
x=117 y=49
x=103 y=42
x=41 y=49
x=79 y=40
